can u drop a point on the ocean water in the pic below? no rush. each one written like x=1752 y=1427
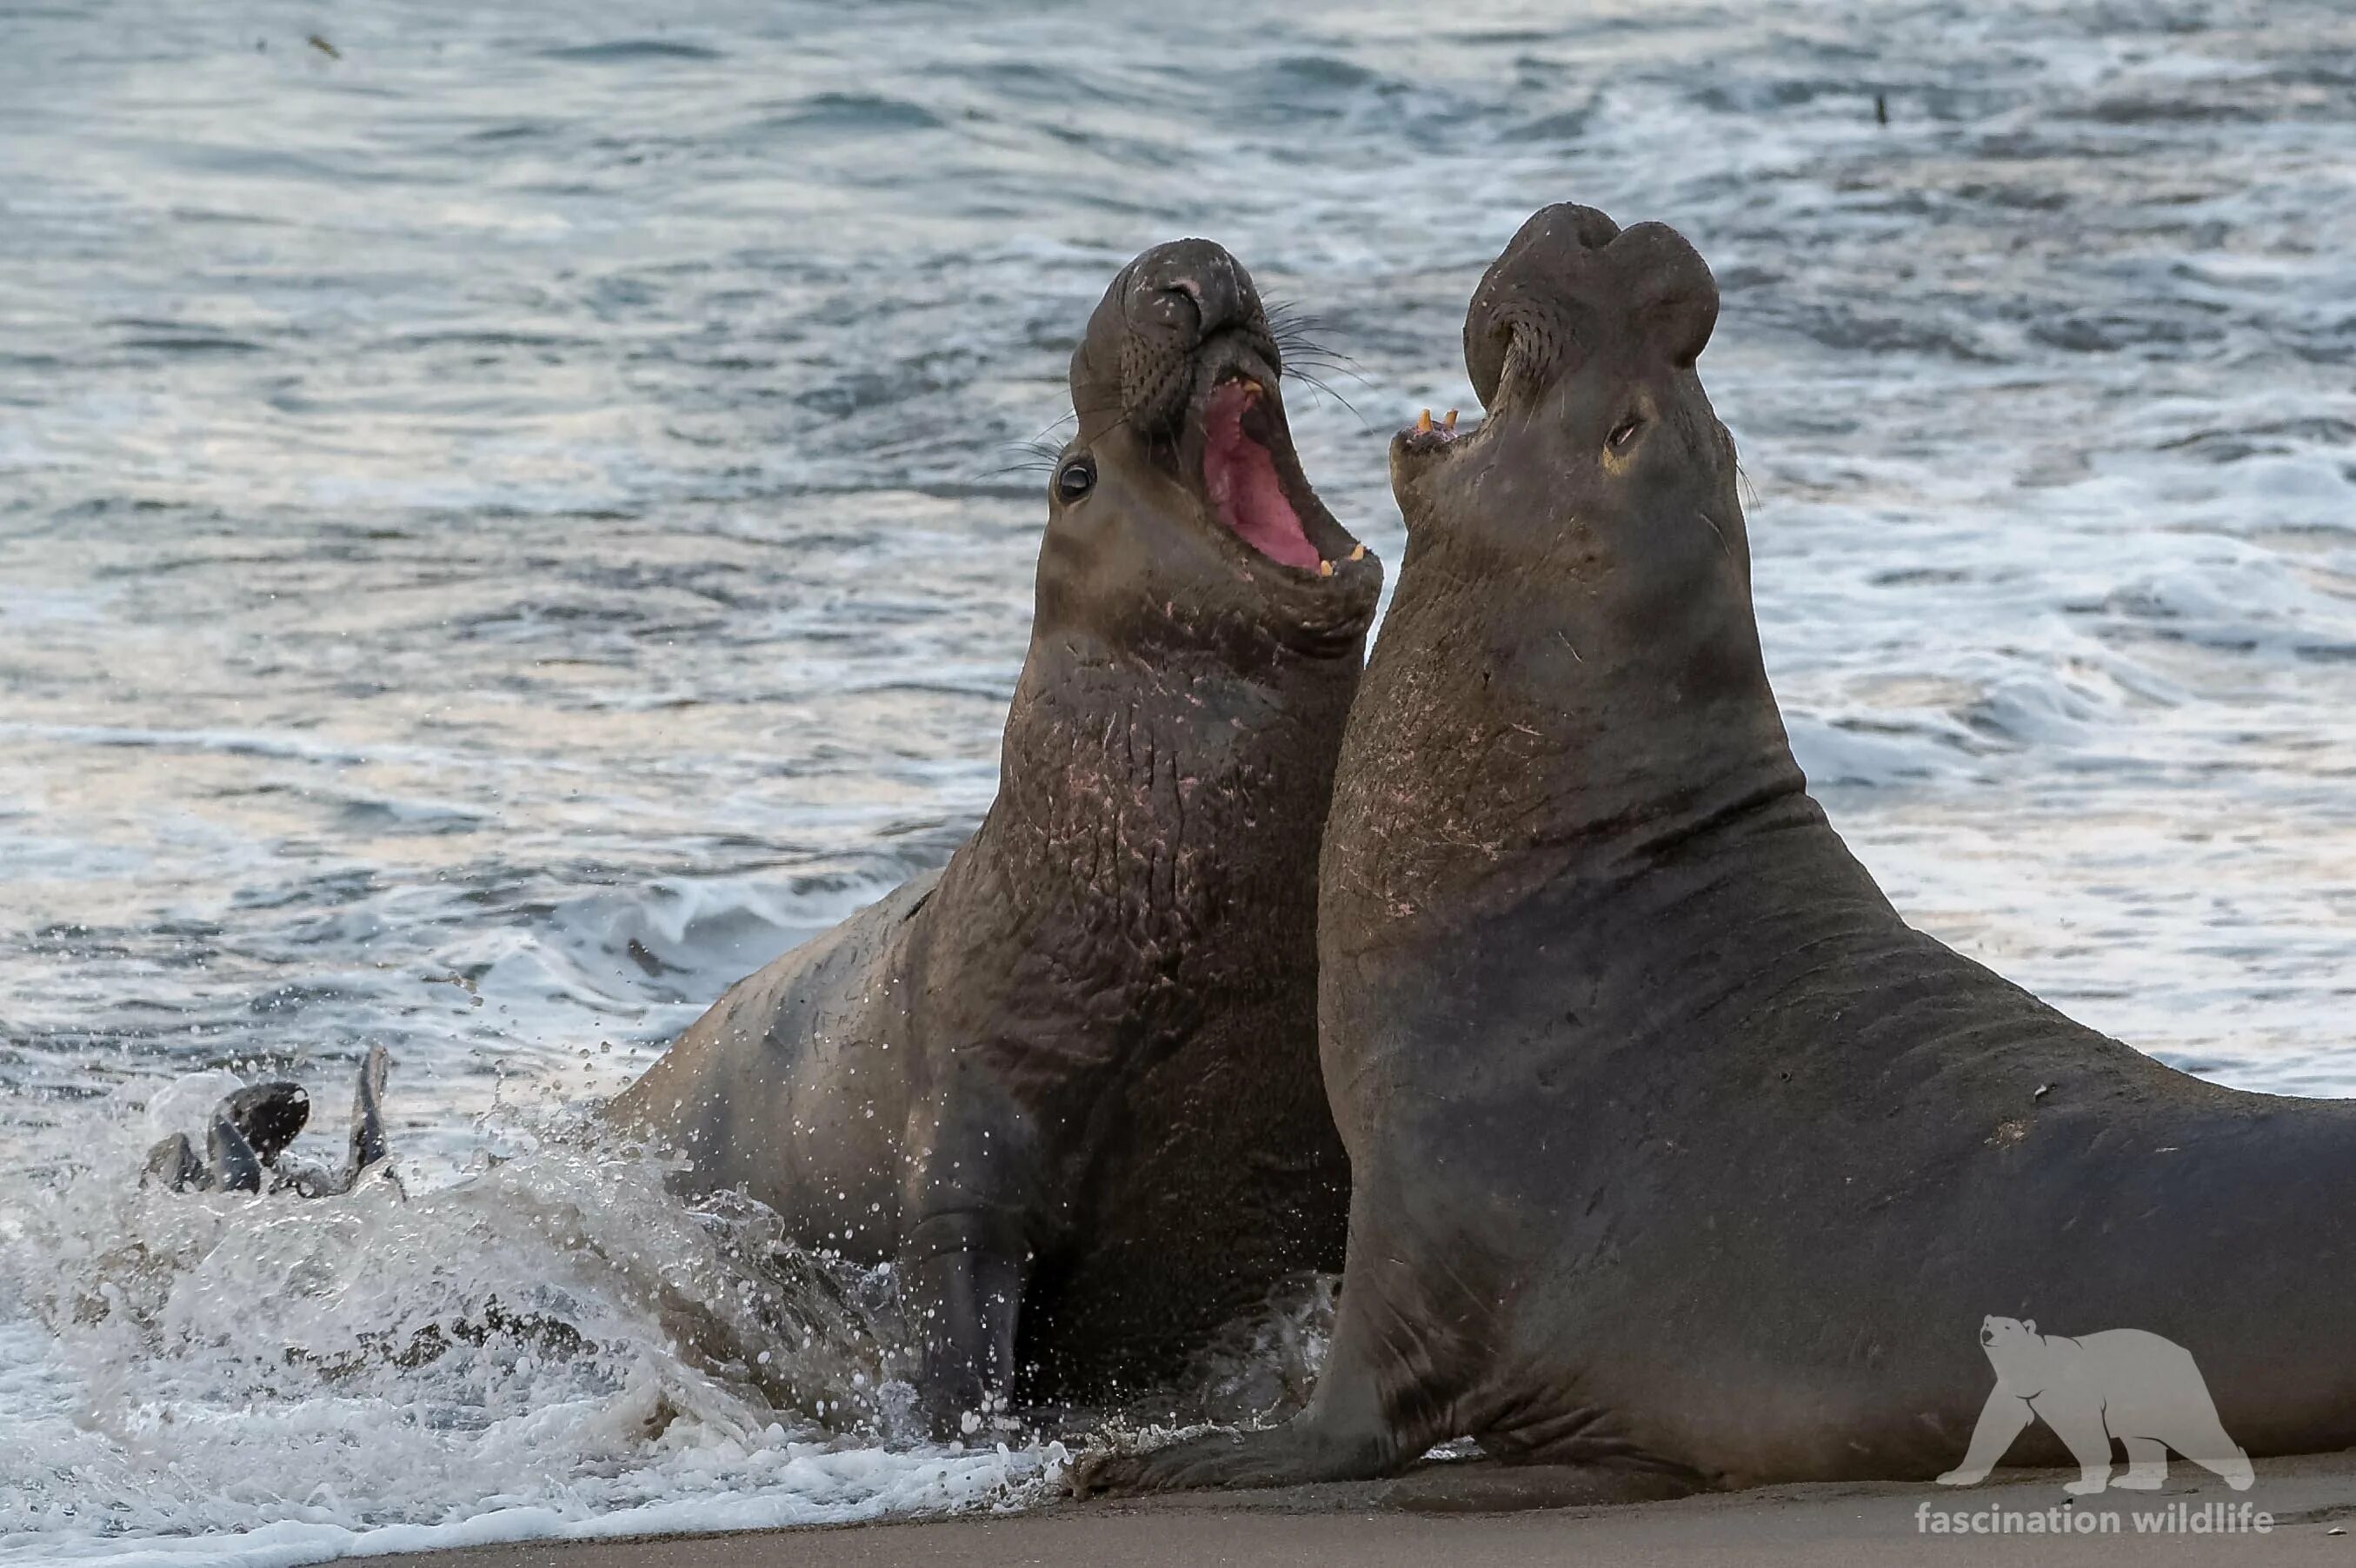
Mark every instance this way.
x=510 y=523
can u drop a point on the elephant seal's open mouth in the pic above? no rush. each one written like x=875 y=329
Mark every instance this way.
x=1428 y=435
x=1254 y=482
x=1236 y=449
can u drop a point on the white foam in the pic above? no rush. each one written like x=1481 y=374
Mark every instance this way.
x=497 y=1359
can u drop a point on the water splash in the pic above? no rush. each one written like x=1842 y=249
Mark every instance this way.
x=552 y=1334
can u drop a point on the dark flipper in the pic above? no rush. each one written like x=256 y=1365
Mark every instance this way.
x=1350 y=1432
x=964 y=1286
x=1367 y=1420
x=251 y=1128
x=236 y=1167
x=172 y=1164
x=1298 y=1453
x=367 y=1145
x=965 y=1258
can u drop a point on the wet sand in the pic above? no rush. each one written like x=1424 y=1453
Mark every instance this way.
x=2307 y=1499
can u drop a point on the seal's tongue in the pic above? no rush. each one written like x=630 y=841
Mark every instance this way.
x=1240 y=476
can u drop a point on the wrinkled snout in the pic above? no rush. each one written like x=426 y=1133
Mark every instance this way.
x=1571 y=284
x=1190 y=288
x=1138 y=360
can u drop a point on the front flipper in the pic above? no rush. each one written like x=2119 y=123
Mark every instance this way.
x=1293 y=1454
x=235 y=1166
x=1352 y=1430
x=962 y=1284
x=172 y=1164
x=973 y=1203
x=366 y=1145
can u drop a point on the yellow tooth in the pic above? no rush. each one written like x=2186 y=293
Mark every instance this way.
x=1359 y=553
x=1423 y=423
x=1324 y=569
x=1449 y=422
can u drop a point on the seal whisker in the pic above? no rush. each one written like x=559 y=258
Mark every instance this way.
x=1053 y=425
x=1295 y=349
x=1040 y=458
x=1303 y=349
x=1321 y=384
x=1300 y=335
x=1289 y=322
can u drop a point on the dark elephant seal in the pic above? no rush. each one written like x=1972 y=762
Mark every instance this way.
x=1068 y=1084
x=1675 y=1150
x=249 y=1129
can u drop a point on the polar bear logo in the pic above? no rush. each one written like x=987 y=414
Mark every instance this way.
x=2122 y=1383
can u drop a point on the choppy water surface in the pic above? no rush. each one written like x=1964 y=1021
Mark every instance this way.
x=503 y=530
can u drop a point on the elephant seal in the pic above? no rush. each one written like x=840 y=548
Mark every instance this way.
x=1675 y=1151
x=1068 y=1084
x=251 y=1128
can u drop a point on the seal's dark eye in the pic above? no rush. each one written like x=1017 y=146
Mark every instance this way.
x=1075 y=479
x=1618 y=439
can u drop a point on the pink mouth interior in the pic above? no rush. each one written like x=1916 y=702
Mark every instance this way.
x=1240 y=474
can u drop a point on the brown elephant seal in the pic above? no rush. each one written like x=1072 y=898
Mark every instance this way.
x=1068 y=1084
x=1676 y=1152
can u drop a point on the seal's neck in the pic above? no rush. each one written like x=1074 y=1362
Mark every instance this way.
x=1516 y=733
x=1157 y=822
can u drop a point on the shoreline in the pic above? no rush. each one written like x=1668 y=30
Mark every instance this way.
x=2305 y=1500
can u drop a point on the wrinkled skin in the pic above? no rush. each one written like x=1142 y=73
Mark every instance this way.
x=1678 y=1155
x=1069 y=1084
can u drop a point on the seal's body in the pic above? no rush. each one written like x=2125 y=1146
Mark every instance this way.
x=1068 y=1083
x=1675 y=1150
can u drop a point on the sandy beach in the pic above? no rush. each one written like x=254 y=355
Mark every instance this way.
x=2307 y=1502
